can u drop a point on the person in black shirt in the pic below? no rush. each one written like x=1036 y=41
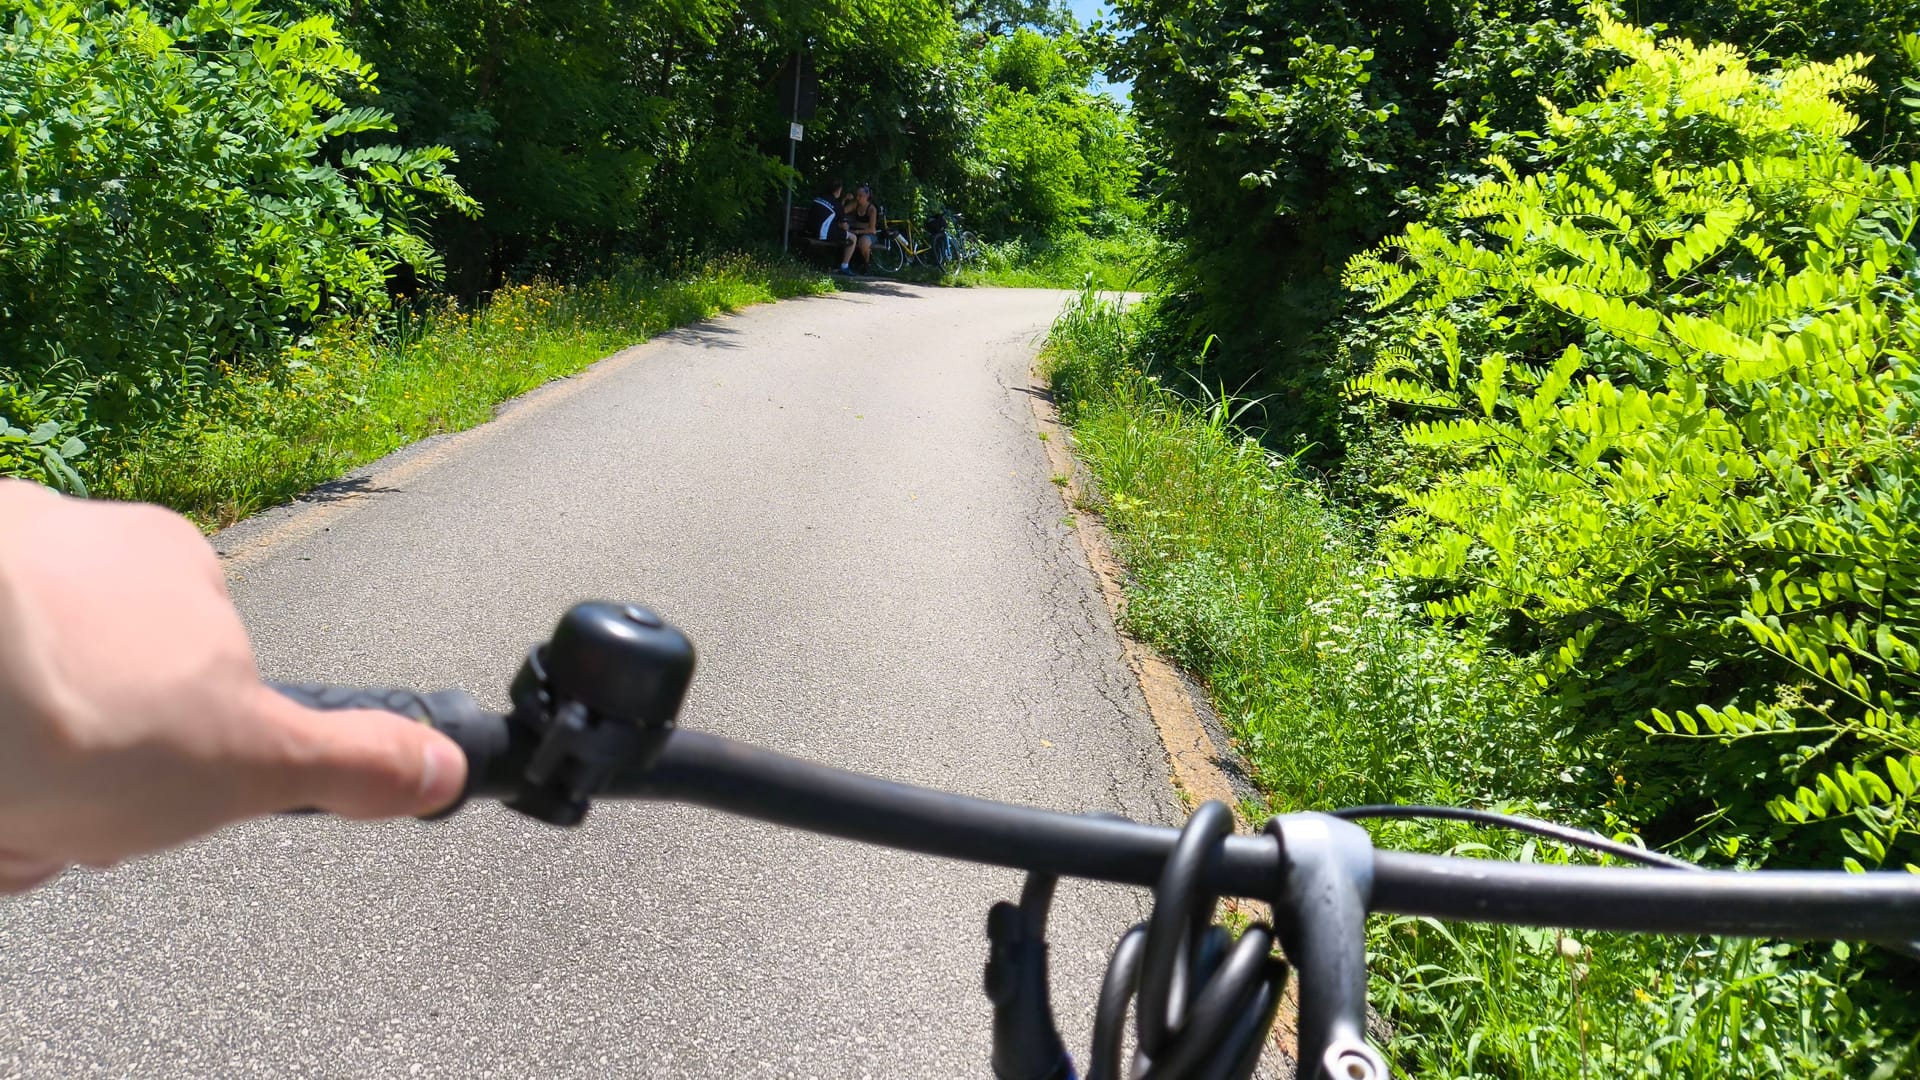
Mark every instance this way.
x=863 y=223
x=826 y=221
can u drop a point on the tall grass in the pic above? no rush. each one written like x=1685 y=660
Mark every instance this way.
x=361 y=392
x=1340 y=691
x=1124 y=260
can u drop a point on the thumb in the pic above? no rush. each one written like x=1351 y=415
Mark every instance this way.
x=362 y=763
x=19 y=873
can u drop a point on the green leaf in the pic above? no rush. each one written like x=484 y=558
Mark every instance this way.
x=1903 y=776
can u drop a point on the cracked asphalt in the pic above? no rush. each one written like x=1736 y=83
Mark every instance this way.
x=843 y=501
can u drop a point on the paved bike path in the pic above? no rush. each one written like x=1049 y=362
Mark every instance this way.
x=844 y=503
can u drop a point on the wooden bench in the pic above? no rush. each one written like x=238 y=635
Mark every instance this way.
x=804 y=243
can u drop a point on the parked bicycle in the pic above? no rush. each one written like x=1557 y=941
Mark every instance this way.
x=593 y=715
x=955 y=247
x=939 y=244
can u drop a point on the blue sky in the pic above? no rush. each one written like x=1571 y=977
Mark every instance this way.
x=1087 y=11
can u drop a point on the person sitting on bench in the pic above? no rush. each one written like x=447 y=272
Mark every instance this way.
x=826 y=223
x=863 y=224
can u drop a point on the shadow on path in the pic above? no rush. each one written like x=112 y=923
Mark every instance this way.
x=885 y=288
x=351 y=487
x=707 y=335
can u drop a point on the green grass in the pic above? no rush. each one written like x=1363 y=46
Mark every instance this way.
x=1123 y=261
x=359 y=393
x=1340 y=691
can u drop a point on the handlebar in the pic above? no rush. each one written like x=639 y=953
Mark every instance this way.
x=593 y=715
x=722 y=774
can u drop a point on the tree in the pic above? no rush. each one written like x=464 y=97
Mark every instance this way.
x=998 y=18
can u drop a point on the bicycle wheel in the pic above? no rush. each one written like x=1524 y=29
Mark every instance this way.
x=889 y=254
x=966 y=250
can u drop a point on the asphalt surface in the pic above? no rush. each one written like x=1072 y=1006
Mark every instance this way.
x=843 y=501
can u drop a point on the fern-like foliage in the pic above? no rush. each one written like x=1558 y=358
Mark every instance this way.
x=1673 y=369
x=171 y=203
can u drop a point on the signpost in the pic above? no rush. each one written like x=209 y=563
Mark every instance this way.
x=801 y=106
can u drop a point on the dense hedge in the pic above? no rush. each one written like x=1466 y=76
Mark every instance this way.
x=181 y=194
x=1626 y=531
x=1668 y=378
x=1285 y=137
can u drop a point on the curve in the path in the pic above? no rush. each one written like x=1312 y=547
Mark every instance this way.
x=843 y=501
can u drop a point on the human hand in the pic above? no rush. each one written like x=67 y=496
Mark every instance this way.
x=132 y=717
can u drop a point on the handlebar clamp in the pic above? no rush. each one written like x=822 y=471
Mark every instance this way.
x=597 y=698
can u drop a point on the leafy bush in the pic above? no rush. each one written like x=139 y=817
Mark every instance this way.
x=1284 y=137
x=38 y=449
x=1127 y=259
x=1052 y=157
x=1331 y=678
x=1675 y=377
x=185 y=193
x=1342 y=689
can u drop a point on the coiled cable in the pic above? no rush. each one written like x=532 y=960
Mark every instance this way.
x=1202 y=1002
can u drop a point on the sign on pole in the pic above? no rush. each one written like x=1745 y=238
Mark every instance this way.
x=801 y=97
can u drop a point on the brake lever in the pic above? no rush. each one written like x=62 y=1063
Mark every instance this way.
x=1026 y=1043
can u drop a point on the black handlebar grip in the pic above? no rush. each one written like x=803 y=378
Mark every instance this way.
x=484 y=736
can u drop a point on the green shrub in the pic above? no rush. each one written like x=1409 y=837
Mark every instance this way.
x=1284 y=137
x=37 y=448
x=1051 y=157
x=1334 y=682
x=186 y=193
x=1342 y=689
x=1123 y=259
x=1674 y=373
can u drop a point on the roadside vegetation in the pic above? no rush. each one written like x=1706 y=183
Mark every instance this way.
x=358 y=392
x=1605 y=513
x=1125 y=261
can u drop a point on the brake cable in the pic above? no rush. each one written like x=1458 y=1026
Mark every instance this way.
x=1564 y=833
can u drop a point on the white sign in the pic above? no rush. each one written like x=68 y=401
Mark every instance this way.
x=794 y=131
